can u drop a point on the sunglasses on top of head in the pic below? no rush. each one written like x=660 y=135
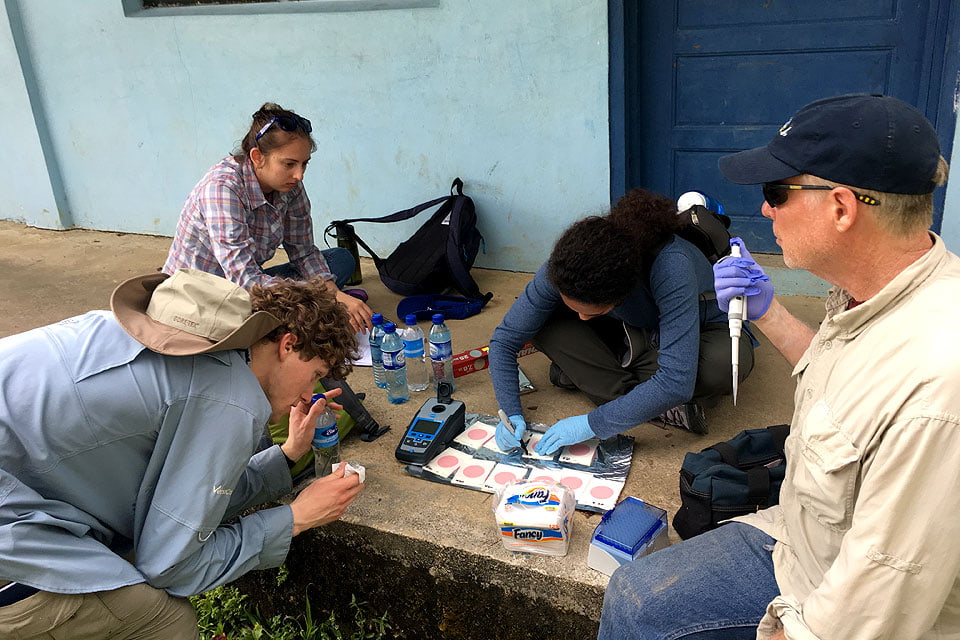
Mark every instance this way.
x=775 y=193
x=287 y=123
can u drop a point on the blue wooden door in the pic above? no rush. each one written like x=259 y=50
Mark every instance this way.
x=702 y=78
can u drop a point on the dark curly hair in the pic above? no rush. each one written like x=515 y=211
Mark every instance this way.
x=599 y=260
x=310 y=312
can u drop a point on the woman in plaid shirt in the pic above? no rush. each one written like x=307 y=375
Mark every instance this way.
x=250 y=203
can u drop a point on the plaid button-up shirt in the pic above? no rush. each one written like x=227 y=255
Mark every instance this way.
x=228 y=227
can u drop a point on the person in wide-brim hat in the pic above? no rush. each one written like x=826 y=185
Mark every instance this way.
x=188 y=313
x=130 y=441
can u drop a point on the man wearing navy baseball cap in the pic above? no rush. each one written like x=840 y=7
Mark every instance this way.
x=864 y=541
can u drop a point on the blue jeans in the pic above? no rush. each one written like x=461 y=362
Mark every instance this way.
x=713 y=586
x=339 y=261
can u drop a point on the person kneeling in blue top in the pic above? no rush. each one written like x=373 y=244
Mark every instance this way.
x=625 y=311
x=127 y=451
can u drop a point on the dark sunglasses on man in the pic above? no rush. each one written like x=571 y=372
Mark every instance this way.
x=287 y=123
x=775 y=193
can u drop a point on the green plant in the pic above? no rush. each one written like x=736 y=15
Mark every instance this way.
x=224 y=614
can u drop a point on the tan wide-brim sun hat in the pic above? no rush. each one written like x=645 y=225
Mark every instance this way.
x=188 y=313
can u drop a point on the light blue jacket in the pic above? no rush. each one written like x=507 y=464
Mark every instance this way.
x=107 y=447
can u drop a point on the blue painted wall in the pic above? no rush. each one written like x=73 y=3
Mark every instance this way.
x=109 y=120
x=510 y=96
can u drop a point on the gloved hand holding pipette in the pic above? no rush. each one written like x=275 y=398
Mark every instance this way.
x=742 y=276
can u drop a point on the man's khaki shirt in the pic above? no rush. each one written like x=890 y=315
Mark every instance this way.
x=868 y=525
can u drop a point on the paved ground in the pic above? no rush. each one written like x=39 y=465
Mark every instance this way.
x=46 y=276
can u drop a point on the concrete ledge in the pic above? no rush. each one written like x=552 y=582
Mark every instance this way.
x=430 y=590
x=428 y=554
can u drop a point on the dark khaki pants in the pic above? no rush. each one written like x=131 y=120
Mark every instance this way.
x=138 y=611
x=591 y=354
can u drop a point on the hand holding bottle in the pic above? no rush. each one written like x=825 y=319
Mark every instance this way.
x=303 y=418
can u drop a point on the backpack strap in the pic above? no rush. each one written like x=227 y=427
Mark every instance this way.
x=399 y=216
x=758 y=486
x=727 y=453
x=454 y=258
x=779 y=432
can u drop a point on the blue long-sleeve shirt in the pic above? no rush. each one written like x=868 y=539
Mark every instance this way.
x=669 y=303
x=108 y=447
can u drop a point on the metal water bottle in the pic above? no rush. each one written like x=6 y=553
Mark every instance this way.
x=326 y=441
x=441 y=352
x=394 y=365
x=376 y=356
x=347 y=238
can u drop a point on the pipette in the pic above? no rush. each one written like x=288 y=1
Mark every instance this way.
x=735 y=317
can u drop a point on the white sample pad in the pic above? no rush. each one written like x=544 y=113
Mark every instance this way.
x=544 y=475
x=530 y=439
x=447 y=462
x=581 y=453
x=473 y=473
x=601 y=493
x=475 y=436
x=576 y=481
x=502 y=474
x=491 y=446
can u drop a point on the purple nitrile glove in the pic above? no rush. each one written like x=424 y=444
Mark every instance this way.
x=505 y=441
x=742 y=276
x=565 y=432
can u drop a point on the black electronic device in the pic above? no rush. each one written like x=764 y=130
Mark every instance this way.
x=437 y=422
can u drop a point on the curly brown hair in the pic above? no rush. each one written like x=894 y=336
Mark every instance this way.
x=599 y=260
x=312 y=314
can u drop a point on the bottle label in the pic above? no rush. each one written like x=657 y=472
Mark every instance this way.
x=375 y=354
x=441 y=350
x=413 y=348
x=393 y=360
x=324 y=437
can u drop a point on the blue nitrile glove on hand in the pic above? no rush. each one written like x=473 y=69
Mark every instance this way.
x=564 y=433
x=742 y=276
x=506 y=441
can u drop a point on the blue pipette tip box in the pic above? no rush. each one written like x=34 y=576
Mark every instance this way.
x=628 y=531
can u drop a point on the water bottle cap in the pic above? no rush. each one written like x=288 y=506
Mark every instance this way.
x=437 y=318
x=316 y=397
x=390 y=327
x=411 y=320
x=377 y=318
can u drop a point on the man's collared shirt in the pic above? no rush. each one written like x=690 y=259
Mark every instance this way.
x=867 y=525
x=107 y=447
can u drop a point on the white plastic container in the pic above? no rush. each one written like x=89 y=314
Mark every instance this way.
x=536 y=517
x=628 y=531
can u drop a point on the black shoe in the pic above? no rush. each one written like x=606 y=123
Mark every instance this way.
x=689 y=416
x=559 y=379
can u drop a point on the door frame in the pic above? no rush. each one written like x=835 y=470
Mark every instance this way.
x=942 y=62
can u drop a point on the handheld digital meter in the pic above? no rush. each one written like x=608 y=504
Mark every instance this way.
x=437 y=422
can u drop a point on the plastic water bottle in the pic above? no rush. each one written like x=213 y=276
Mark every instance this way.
x=691 y=198
x=326 y=441
x=394 y=366
x=418 y=375
x=376 y=337
x=441 y=352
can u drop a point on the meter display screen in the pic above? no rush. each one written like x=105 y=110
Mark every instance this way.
x=425 y=427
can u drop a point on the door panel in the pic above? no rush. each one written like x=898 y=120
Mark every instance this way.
x=703 y=78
